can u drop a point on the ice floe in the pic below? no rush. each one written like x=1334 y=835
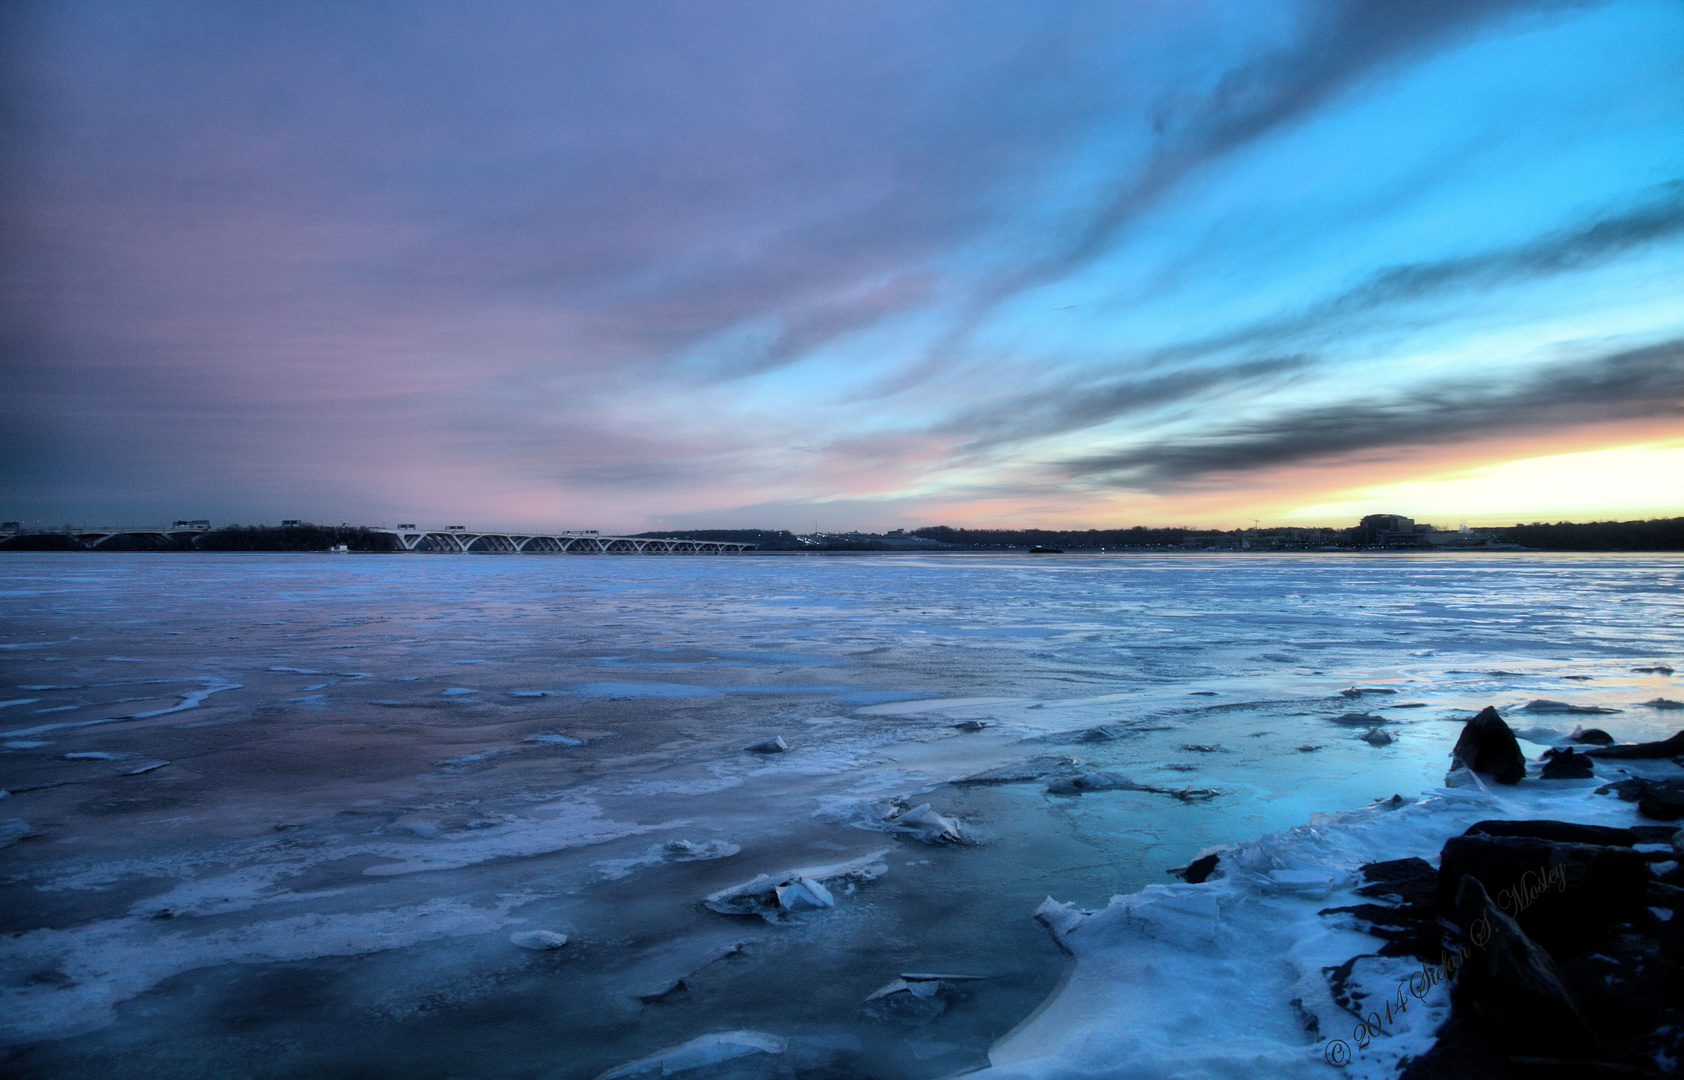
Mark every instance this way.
x=773 y=896
x=538 y=940
x=1545 y=705
x=702 y=1052
x=1152 y=967
x=923 y=823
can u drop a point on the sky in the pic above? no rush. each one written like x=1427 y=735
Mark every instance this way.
x=788 y=264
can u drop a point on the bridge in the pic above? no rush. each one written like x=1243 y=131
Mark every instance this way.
x=452 y=539
x=456 y=539
x=162 y=536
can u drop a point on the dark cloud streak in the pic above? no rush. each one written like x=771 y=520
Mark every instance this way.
x=1066 y=409
x=1634 y=384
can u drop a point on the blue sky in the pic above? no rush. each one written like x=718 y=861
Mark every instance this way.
x=867 y=265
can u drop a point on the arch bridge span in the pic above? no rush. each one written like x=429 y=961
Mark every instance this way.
x=463 y=541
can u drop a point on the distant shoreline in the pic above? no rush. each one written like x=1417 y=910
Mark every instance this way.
x=1375 y=533
x=901 y=553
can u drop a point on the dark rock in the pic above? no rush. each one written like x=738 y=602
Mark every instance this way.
x=1412 y=880
x=1360 y=719
x=969 y=725
x=1563 y=894
x=1564 y=764
x=1409 y=925
x=1199 y=869
x=1662 y=800
x=1462 y=1053
x=1658 y=669
x=1513 y=987
x=1488 y=746
x=1593 y=735
x=1376 y=737
x=1664 y=703
x=1661 y=797
x=1567 y=832
x=1672 y=939
x=774 y=745
x=1407 y=930
x=1627 y=790
x=1673 y=747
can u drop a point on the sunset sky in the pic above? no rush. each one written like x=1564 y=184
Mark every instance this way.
x=635 y=266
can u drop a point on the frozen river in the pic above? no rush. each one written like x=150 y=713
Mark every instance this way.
x=280 y=816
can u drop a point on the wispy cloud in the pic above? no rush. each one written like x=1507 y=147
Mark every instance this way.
x=665 y=256
x=1626 y=385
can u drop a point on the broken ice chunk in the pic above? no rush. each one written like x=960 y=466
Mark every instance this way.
x=761 y=895
x=912 y=999
x=1059 y=918
x=804 y=894
x=690 y=851
x=714 y=1048
x=538 y=940
x=774 y=745
x=924 y=823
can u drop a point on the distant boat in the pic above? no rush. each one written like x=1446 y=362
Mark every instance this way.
x=1039 y=550
x=340 y=549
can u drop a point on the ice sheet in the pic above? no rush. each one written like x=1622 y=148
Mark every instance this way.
x=335 y=836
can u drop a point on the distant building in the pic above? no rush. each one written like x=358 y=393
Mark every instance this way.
x=196 y=525
x=1391 y=530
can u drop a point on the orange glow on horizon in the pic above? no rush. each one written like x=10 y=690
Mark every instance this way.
x=1621 y=471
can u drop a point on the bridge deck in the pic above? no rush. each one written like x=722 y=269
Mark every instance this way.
x=461 y=541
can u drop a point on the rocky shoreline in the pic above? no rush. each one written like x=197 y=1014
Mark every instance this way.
x=1519 y=921
x=1561 y=941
